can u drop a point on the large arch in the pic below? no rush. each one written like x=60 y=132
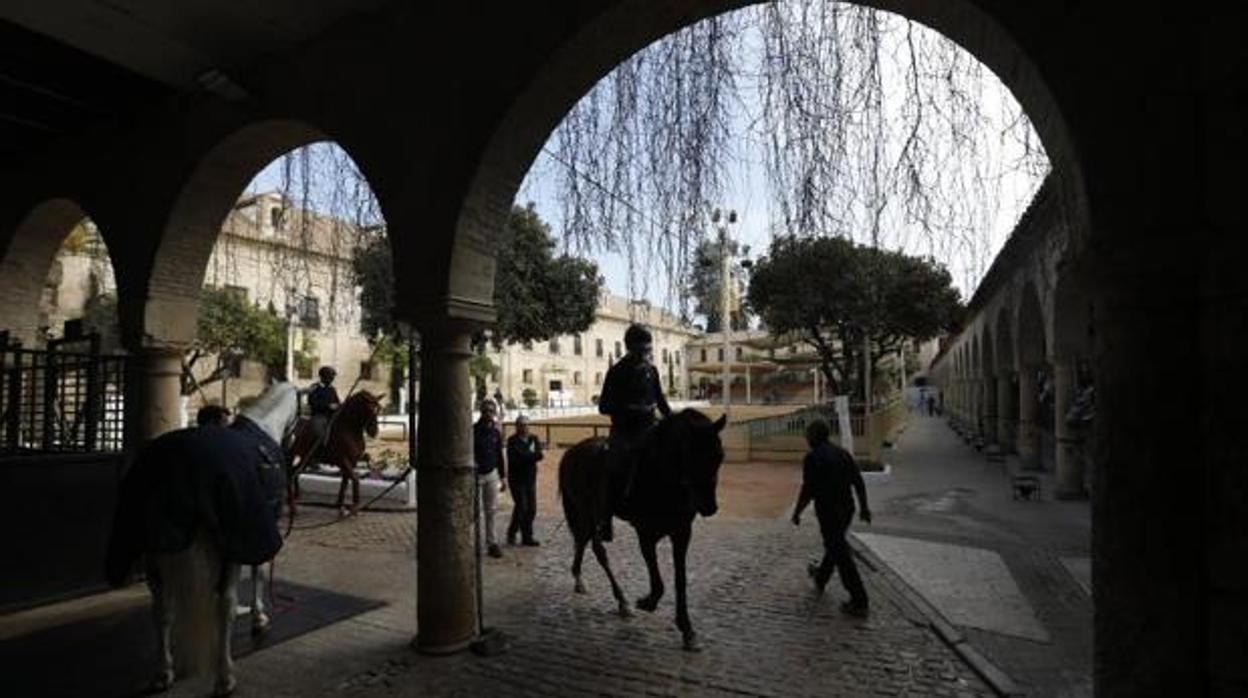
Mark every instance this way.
x=27 y=259
x=627 y=27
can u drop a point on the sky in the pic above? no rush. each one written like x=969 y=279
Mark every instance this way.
x=748 y=194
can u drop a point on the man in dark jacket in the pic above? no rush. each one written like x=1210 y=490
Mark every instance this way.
x=630 y=394
x=524 y=450
x=322 y=403
x=828 y=475
x=487 y=452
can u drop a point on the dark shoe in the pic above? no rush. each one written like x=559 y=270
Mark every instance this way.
x=812 y=569
x=850 y=608
x=494 y=551
x=532 y=543
x=511 y=539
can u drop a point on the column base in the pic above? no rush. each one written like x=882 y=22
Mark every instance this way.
x=441 y=650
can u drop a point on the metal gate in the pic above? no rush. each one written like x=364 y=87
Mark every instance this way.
x=67 y=398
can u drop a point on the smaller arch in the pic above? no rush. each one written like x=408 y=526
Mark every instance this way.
x=27 y=260
x=1032 y=345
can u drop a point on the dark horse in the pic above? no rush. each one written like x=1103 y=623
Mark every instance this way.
x=343 y=446
x=677 y=472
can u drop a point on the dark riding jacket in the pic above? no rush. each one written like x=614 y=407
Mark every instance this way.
x=831 y=478
x=630 y=394
x=323 y=400
x=487 y=448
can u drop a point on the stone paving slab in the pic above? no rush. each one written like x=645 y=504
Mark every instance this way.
x=970 y=586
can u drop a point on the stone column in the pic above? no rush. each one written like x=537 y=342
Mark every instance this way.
x=446 y=579
x=1007 y=411
x=988 y=423
x=1028 y=429
x=1069 y=441
x=153 y=393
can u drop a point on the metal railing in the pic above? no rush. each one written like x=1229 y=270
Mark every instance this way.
x=57 y=401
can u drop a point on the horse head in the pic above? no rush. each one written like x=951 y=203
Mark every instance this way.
x=701 y=454
x=369 y=408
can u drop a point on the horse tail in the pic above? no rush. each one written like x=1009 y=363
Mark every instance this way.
x=192 y=579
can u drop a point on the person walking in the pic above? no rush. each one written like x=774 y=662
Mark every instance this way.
x=828 y=476
x=630 y=394
x=524 y=451
x=487 y=452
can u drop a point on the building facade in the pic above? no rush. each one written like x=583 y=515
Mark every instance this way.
x=569 y=370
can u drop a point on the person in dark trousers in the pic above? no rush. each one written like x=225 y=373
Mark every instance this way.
x=630 y=394
x=487 y=452
x=524 y=450
x=828 y=475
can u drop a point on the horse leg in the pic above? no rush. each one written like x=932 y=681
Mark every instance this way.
x=162 y=617
x=650 y=601
x=259 y=619
x=227 y=600
x=680 y=548
x=577 y=557
x=355 y=490
x=600 y=552
x=342 y=490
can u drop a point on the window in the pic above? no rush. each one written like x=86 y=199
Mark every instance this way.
x=598 y=378
x=309 y=310
x=665 y=358
x=792 y=349
x=738 y=353
x=275 y=218
x=366 y=370
x=703 y=356
x=677 y=358
x=556 y=386
x=554 y=345
x=576 y=378
x=598 y=347
x=528 y=376
x=576 y=345
x=238 y=292
x=720 y=352
x=618 y=353
x=771 y=353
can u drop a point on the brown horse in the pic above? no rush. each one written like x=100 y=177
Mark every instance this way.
x=343 y=446
x=675 y=480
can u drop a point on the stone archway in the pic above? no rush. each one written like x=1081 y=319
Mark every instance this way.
x=1032 y=355
x=1006 y=384
x=26 y=262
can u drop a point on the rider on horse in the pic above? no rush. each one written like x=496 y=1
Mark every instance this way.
x=323 y=402
x=630 y=394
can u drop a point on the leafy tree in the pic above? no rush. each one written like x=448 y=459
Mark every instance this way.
x=703 y=285
x=835 y=295
x=229 y=329
x=537 y=295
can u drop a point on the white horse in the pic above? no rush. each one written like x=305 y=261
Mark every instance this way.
x=193 y=570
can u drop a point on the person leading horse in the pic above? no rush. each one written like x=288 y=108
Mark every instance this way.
x=630 y=395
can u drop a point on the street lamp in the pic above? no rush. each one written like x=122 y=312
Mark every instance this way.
x=725 y=324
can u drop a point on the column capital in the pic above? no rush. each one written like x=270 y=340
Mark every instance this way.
x=448 y=309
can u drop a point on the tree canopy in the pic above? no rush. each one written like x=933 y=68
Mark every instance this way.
x=835 y=295
x=232 y=328
x=537 y=294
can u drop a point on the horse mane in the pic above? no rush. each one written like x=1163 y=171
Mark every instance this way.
x=267 y=410
x=355 y=404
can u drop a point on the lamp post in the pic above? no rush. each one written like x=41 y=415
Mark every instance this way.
x=725 y=323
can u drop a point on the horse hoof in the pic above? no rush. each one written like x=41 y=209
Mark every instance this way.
x=691 y=643
x=260 y=623
x=625 y=611
x=224 y=687
x=579 y=588
x=647 y=604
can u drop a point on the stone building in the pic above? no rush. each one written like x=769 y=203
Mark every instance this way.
x=569 y=370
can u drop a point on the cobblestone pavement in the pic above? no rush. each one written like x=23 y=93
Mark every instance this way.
x=763 y=629
x=943 y=492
